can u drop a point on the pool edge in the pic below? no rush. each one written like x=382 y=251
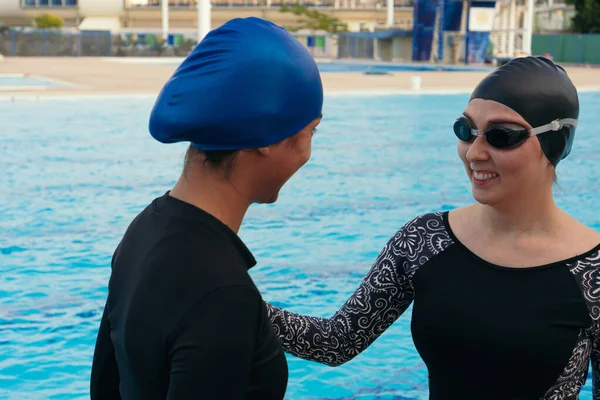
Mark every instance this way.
x=51 y=93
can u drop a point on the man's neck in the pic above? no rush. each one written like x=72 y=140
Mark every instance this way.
x=217 y=197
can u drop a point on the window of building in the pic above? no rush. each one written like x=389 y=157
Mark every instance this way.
x=49 y=3
x=181 y=3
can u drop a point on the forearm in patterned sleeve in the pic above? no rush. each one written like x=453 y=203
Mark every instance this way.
x=382 y=297
x=384 y=294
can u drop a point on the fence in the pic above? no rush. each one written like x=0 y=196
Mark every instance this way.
x=323 y=4
x=44 y=43
x=355 y=47
x=89 y=44
x=388 y=45
x=568 y=48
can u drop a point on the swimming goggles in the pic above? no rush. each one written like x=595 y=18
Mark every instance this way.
x=505 y=137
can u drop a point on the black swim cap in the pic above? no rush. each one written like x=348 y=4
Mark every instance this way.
x=540 y=91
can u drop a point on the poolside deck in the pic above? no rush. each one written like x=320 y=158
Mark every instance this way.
x=98 y=76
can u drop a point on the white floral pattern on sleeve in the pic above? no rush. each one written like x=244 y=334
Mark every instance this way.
x=587 y=274
x=384 y=294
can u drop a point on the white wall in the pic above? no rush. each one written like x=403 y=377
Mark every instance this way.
x=103 y=8
x=11 y=8
x=558 y=20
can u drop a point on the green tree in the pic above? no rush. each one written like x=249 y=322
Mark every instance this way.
x=587 y=17
x=314 y=20
x=48 y=21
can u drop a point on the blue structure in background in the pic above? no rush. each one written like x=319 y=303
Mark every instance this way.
x=450 y=14
x=424 y=16
x=477 y=43
x=425 y=13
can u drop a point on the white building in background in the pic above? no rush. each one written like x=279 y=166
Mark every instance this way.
x=513 y=23
x=146 y=15
x=74 y=12
x=131 y=15
x=553 y=15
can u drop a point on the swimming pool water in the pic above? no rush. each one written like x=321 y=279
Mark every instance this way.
x=75 y=172
x=372 y=66
x=22 y=81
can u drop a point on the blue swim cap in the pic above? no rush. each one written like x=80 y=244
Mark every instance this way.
x=248 y=84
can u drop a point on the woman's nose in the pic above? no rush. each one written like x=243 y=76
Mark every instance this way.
x=478 y=150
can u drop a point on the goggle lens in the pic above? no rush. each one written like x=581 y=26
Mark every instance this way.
x=497 y=136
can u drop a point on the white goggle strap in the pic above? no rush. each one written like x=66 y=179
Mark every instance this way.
x=555 y=125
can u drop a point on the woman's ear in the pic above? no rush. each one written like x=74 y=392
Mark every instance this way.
x=263 y=151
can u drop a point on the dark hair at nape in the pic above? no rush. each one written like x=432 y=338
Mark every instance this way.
x=216 y=159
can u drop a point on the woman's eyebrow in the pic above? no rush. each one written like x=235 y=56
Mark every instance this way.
x=496 y=121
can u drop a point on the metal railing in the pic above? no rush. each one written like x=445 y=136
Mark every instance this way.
x=500 y=42
x=53 y=43
x=337 y=4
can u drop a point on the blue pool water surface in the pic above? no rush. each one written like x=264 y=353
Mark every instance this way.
x=8 y=80
x=376 y=66
x=372 y=66
x=75 y=172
